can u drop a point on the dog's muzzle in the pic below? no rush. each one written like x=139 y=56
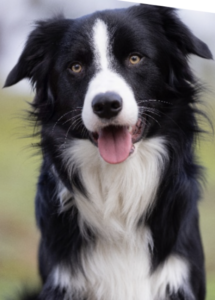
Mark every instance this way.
x=115 y=141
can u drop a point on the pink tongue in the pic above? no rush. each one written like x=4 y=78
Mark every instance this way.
x=114 y=144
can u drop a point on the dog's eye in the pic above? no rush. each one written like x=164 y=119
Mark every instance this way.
x=134 y=59
x=76 y=68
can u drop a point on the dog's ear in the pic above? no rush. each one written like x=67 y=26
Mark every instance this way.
x=178 y=33
x=39 y=51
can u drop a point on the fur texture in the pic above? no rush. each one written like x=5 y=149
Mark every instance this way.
x=117 y=196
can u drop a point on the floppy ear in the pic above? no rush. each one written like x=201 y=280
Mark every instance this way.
x=38 y=53
x=177 y=32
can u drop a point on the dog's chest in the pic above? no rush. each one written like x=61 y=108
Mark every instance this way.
x=118 y=196
x=115 y=271
x=119 y=270
x=117 y=265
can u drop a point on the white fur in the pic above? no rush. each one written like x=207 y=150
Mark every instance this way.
x=118 y=266
x=123 y=272
x=174 y=272
x=112 y=271
x=107 y=80
x=118 y=195
x=75 y=285
x=101 y=45
x=120 y=269
x=65 y=197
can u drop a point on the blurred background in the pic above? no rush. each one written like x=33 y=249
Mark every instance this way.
x=19 y=167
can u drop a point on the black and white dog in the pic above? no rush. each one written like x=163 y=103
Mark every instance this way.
x=117 y=197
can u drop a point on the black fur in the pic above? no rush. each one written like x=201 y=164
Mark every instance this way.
x=166 y=43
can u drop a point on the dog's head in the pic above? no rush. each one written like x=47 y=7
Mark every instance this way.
x=111 y=77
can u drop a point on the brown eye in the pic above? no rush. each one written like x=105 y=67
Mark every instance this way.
x=76 y=68
x=134 y=59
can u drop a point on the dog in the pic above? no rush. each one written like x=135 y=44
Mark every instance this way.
x=116 y=203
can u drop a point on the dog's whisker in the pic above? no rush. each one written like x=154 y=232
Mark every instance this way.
x=154 y=100
x=72 y=119
x=161 y=113
x=59 y=119
x=66 y=135
x=77 y=123
x=152 y=118
x=84 y=131
x=155 y=112
x=146 y=121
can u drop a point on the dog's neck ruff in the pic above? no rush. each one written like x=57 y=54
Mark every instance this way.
x=118 y=195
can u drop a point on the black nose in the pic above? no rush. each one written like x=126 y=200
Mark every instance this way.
x=107 y=105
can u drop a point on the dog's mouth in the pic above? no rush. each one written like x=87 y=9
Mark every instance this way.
x=116 y=143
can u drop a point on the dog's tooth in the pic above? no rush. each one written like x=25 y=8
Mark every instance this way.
x=130 y=129
x=132 y=149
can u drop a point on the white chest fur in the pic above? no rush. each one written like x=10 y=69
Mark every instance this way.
x=119 y=270
x=118 y=195
x=118 y=266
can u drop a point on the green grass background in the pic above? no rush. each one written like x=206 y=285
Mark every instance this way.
x=18 y=175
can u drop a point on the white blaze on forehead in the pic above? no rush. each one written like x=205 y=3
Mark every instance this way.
x=107 y=79
x=100 y=44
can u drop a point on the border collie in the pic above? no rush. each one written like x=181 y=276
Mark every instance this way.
x=117 y=196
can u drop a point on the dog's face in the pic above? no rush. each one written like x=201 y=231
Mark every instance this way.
x=110 y=76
